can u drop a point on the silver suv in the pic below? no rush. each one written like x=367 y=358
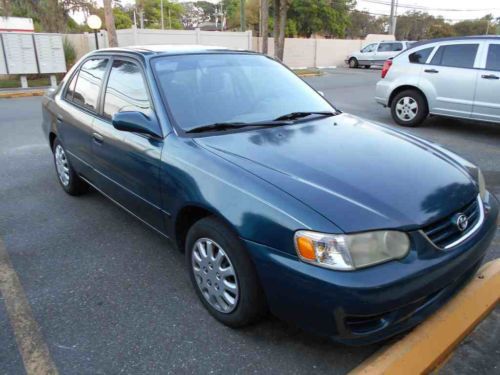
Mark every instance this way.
x=376 y=53
x=456 y=77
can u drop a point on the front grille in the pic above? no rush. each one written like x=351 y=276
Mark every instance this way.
x=445 y=232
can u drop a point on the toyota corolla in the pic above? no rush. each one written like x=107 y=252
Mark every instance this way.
x=280 y=201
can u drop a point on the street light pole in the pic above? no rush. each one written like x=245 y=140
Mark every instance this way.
x=95 y=23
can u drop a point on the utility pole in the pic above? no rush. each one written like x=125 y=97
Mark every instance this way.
x=392 y=19
x=242 y=15
x=161 y=12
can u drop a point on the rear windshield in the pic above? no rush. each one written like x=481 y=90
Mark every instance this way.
x=212 y=88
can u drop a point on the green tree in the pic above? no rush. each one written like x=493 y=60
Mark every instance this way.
x=172 y=14
x=363 y=23
x=475 y=27
x=327 y=17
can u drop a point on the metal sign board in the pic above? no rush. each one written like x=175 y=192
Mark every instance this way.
x=50 y=53
x=20 y=53
x=3 y=64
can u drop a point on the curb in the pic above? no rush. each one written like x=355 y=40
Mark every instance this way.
x=21 y=94
x=431 y=343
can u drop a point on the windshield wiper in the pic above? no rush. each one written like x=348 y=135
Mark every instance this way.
x=297 y=115
x=234 y=125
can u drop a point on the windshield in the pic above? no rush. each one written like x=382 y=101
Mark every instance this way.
x=220 y=88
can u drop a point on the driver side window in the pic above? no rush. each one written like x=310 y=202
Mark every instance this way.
x=369 y=48
x=126 y=90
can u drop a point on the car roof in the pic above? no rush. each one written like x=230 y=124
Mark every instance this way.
x=453 y=39
x=167 y=49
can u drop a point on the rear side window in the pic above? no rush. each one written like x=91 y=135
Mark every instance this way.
x=89 y=83
x=420 y=57
x=71 y=87
x=493 y=58
x=126 y=90
x=456 y=55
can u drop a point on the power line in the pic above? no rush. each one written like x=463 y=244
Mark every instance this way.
x=403 y=15
x=422 y=7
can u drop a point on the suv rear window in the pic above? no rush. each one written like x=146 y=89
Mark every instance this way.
x=493 y=59
x=456 y=55
x=420 y=57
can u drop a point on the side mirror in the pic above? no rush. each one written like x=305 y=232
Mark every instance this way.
x=136 y=122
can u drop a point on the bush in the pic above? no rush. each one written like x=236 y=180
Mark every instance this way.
x=69 y=53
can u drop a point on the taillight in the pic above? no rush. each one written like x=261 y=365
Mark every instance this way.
x=386 y=67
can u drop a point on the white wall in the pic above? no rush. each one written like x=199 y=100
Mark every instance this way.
x=235 y=40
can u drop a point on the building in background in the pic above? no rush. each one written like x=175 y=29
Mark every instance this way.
x=17 y=24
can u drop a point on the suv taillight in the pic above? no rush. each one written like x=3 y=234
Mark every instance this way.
x=386 y=67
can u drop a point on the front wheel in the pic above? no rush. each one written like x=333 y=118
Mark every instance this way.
x=223 y=274
x=353 y=63
x=409 y=108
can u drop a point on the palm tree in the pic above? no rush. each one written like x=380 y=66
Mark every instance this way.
x=109 y=21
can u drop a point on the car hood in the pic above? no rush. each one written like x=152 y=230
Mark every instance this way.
x=359 y=175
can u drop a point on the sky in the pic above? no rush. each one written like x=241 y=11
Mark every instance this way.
x=451 y=10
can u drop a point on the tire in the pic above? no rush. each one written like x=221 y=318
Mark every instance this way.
x=367 y=66
x=249 y=304
x=353 y=63
x=409 y=108
x=66 y=175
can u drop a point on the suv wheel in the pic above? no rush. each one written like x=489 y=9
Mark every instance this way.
x=223 y=274
x=409 y=108
x=67 y=177
x=353 y=63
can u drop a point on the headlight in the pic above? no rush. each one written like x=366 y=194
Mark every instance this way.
x=481 y=183
x=348 y=252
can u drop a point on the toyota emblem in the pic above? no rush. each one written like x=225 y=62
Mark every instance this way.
x=462 y=222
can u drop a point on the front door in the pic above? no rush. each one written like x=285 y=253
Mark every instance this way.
x=487 y=98
x=127 y=163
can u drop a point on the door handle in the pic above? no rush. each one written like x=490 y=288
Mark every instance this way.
x=431 y=71
x=489 y=76
x=97 y=138
x=59 y=118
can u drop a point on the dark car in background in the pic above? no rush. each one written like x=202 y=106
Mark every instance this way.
x=280 y=202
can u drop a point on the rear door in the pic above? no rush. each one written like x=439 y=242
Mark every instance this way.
x=487 y=98
x=77 y=108
x=127 y=164
x=449 y=79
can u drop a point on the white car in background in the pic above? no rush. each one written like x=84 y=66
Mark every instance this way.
x=376 y=53
x=455 y=77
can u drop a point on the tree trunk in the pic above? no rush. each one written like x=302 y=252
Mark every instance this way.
x=264 y=14
x=109 y=21
x=276 y=15
x=282 y=27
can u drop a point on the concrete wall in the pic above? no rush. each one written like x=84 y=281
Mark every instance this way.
x=302 y=53
x=235 y=40
x=298 y=52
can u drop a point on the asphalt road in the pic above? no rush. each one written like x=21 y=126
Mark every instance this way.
x=110 y=296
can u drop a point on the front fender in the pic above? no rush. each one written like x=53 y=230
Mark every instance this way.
x=255 y=209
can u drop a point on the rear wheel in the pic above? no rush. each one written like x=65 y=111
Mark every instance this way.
x=353 y=63
x=223 y=274
x=67 y=177
x=409 y=108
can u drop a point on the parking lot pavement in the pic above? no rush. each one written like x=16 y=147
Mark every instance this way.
x=111 y=296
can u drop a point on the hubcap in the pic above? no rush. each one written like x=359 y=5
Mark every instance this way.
x=406 y=108
x=215 y=275
x=62 y=165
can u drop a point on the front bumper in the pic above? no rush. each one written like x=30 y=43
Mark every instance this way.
x=375 y=303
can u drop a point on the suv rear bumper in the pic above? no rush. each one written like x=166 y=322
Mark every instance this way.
x=383 y=92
